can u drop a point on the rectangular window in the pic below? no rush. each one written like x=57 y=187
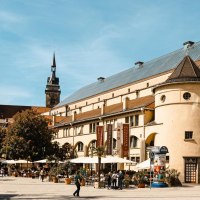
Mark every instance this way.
x=131 y=121
x=136 y=120
x=75 y=131
x=127 y=120
x=93 y=127
x=90 y=128
x=188 y=135
x=64 y=132
x=137 y=159
x=68 y=130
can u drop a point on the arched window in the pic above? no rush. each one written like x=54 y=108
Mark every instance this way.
x=133 y=142
x=80 y=146
x=92 y=146
x=114 y=143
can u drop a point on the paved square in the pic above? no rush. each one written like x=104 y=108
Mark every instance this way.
x=27 y=188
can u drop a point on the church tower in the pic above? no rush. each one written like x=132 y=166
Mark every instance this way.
x=52 y=90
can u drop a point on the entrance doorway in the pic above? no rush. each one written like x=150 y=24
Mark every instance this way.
x=190 y=170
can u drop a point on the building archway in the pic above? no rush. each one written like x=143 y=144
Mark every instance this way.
x=91 y=144
x=150 y=140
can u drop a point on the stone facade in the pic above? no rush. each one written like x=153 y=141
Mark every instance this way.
x=159 y=113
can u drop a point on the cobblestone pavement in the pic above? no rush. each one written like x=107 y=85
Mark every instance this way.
x=27 y=188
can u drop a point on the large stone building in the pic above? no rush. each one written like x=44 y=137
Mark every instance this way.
x=159 y=99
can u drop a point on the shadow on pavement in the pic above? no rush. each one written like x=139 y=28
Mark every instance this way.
x=6 y=179
x=188 y=185
x=29 y=196
x=7 y=196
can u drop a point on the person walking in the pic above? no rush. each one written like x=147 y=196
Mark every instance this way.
x=109 y=180
x=77 y=183
x=42 y=174
x=114 y=180
x=120 y=180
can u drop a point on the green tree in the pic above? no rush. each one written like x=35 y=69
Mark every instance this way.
x=62 y=153
x=100 y=152
x=2 y=138
x=29 y=137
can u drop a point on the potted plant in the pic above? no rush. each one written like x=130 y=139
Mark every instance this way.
x=67 y=168
x=172 y=178
x=126 y=181
x=54 y=172
x=141 y=179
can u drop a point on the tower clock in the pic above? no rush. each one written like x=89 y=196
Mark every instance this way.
x=52 y=90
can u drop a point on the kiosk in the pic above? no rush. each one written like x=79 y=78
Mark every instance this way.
x=158 y=158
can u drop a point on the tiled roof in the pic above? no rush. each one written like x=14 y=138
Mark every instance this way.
x=88 y=114
x=148 y=69
x=186 y=70
x=147 y=101
x=118 y=107
x=8 y=111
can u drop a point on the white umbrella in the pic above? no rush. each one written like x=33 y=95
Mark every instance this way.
x=116 y=159
x=108 y=159
x=144 y=165
x=9 y=161
x=22 y=161
x=45 y=161
x=16 y=161
x=85 y=160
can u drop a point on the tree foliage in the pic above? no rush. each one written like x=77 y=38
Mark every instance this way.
x=65 y=152
x=2 y=138
x=29 y=137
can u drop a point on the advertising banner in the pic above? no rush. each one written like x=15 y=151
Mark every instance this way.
x=119 y=131
x=109 y=139
x=159 y=163
x=125 y=140
x=100 y=136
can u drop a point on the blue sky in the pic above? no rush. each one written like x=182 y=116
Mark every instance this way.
x=91 y=38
